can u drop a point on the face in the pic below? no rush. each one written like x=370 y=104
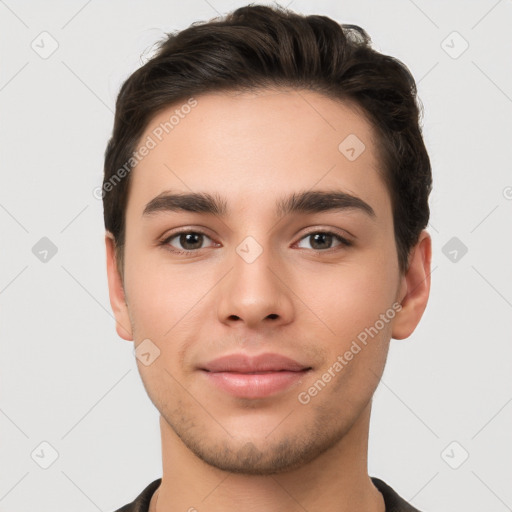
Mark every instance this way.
x=261 y=277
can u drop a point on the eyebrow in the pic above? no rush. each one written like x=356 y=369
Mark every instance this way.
x=315 y=201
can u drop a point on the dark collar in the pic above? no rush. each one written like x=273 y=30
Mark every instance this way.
x=394 y=503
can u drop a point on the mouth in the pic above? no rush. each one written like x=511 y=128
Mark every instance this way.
x=254 y=377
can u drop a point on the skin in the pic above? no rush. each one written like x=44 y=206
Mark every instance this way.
x=300 y=299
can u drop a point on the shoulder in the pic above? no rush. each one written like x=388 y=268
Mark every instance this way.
x=141 y=502
x=394 y=502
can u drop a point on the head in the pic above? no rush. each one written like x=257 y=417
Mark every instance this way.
x=266 y=191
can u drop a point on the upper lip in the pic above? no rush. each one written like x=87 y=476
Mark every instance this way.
x=243 y=363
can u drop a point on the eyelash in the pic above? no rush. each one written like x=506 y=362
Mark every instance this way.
x=192 y=252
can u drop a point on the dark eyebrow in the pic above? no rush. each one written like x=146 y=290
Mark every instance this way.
x=193 y=202
x=317 y=201
x=300 y=202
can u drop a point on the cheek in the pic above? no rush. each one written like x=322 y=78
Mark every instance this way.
x=350 y=300
x=158 y=296
x=149 y=303
x=159 y=286
x=170 y=305
x=358 y=309
x=163 y=305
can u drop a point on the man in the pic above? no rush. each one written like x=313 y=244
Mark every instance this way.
x=265 y=197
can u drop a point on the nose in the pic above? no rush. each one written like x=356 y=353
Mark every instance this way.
x=256 y=294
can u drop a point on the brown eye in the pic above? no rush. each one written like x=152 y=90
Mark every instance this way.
x=322 y=240
x=187 y=241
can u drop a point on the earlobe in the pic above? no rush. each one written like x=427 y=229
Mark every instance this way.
x=116 y=291
x=415 y=288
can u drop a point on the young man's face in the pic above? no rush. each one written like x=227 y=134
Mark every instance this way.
x=258 y=279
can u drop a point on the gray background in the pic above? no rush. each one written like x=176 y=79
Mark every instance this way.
x=67 y=379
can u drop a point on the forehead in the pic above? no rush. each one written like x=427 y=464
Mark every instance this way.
x=244 y=144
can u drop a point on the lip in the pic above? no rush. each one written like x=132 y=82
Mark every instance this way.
x=254 y=377
x=243 y=363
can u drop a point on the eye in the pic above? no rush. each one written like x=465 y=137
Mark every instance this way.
x=187 y=241
x=323 y=240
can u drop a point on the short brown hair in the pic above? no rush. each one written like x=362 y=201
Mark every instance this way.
x=258 y=47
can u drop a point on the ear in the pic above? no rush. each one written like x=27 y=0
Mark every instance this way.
x=414 y=288
x=116 y=291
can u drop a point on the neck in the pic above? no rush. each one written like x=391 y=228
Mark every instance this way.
x=336 y=481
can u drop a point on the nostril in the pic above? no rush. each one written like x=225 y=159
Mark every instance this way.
x=273 y=316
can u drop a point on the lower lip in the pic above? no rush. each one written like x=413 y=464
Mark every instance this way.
x=254 y=385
